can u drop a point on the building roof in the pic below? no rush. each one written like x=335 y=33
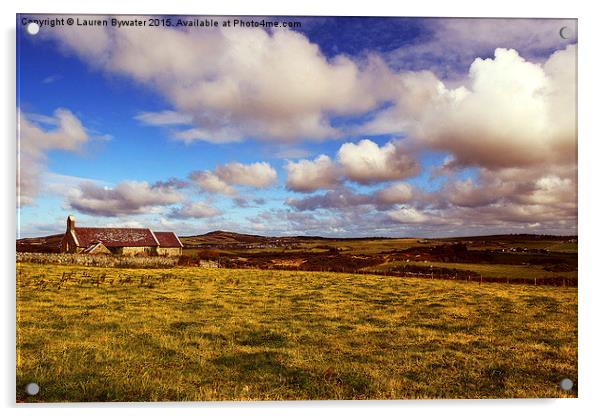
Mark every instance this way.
x=116 y=237
x=96 y=248
x=167 y=239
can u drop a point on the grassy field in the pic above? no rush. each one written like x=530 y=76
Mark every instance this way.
x=555 y=246
x=357 y=247
x=508 y=271
x=106 y=334
x=375 y=246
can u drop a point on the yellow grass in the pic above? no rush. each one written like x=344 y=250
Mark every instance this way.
x=215 y=334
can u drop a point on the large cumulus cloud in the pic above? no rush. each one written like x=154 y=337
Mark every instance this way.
x=222 y=179
x=364 y=162
x=310 y=175
x=235 y=82
x=510 y=113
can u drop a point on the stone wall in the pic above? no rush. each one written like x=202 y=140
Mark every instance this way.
x=169 y=251
x=99 y=260
x=136 y=251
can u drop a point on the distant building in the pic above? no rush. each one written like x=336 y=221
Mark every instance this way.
x=122 y=241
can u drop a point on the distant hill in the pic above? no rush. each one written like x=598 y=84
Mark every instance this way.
x=48 y=244
x=224 y=237
x=228 y=237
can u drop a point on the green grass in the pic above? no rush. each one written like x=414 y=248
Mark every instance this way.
x=508 y=271
x=216 y=334
x=364 y=247
x=375 y=246
x=550 y=245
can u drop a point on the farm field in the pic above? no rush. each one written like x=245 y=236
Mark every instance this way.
x=518 y=259
x=185 y=333
x=556 y=246
x=508 y=271
x=351 y=246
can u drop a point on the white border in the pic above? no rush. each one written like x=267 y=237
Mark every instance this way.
x=589 y=172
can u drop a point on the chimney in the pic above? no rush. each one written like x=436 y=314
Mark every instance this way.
x=70 y=223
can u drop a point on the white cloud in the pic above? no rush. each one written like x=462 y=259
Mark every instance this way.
x=258 y=175
x=224 y=135
x=366 y=162
x=194 y=210
x=551 y=190
x=339 y=199
x=408 y=215
x=67 y=134
x=163 y=118
x=210 y=182
x=310 y=175
x=398 y=193
x=51 y=79
x=65 y=185
x=511 y=113
x=128 y=197
x=413 y=92
x=500 y=200
x=554 y=187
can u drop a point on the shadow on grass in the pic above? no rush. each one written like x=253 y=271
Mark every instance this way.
x=264 y=366
x=261 y=338
x=269 y=369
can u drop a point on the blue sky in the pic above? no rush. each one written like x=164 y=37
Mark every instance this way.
x=346 y=126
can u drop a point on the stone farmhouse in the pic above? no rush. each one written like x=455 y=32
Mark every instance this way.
x=121 y=241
